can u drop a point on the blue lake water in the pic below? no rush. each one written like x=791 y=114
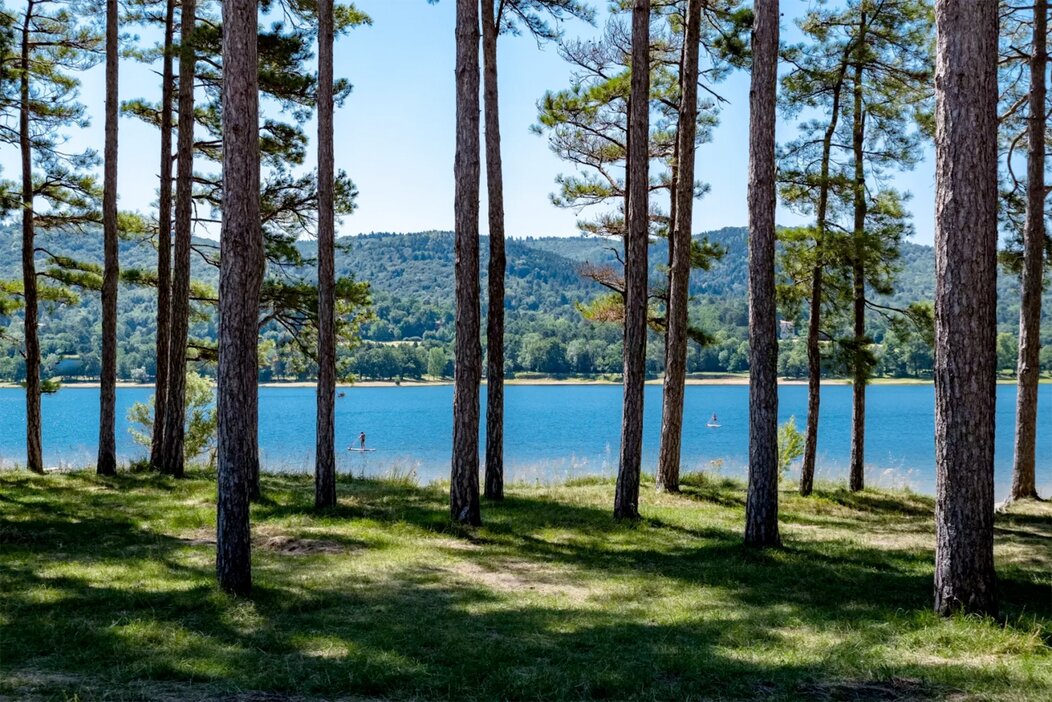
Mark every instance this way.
x=552 y=432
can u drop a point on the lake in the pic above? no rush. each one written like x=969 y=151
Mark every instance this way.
x=552 y=432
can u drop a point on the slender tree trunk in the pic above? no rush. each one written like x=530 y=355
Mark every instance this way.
x=106 y=463
x=1023 y=479
x=673 y=186
x=164 y=245
x=626 y=496
x=679 y=274
x=175 y=413
x=814 y=368
x=761 y=507
x=495 y=318
x=814 y=355
x=859 y=379
x=965 y=304
x=34 y=455
x=860 y=367
x=240 y=277
x=467 y=374
x=325 y=469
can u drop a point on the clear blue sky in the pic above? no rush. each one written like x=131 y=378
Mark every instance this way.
x=394 y=135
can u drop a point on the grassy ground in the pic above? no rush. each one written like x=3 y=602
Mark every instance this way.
x=108 y=594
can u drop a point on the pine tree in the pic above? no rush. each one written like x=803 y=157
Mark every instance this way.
x=326 y=324
x=1031 y=261
x=680 y=256
x=325 y=467
x=761 y=507
x=467 y=372
x=106 y=463
x=965 y=304
x=817 y=82
x=241 y=275
x=164 y=237
x=171 y=455
x=637 y=211
x=494 y=482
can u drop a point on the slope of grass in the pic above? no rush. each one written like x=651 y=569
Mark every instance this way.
x=108 y=594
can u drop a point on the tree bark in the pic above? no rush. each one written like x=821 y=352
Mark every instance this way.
x=325 y=468
x=859 y=370
x=164 y=245
x=626 y=496
x=240 y=277
x=497 y=263
x=859 y=379
x=175 y=412
x=34 y=454
x=761 y=507
x=467 y=374
x=106 y=463
x=1024 y=484
x=965 y=304
x=679 y=270
x=814 y=370
x=814 y=355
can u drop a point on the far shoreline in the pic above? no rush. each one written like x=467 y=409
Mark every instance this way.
x=716 y=380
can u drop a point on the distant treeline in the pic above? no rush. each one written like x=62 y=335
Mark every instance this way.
x=410 y=335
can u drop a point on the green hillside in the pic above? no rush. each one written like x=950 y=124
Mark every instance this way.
x=411 y=276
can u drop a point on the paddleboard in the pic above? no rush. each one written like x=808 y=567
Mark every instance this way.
x=360 y=450
x=713 y=426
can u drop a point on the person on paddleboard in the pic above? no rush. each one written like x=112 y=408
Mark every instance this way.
x=714 y=420
x=361 y=441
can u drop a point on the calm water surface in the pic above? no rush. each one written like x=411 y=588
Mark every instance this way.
x=551 y=432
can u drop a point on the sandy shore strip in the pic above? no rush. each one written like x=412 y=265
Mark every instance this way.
x=713 y=380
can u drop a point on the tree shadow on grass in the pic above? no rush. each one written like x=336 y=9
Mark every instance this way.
x=415 y=635
x=657 y=610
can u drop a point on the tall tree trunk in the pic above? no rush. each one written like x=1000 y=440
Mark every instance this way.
x=859 y=379
x=467 y=374
x=1023 y=478
x=679 y=273
x=860 y=367
x=626 y=495
x=106 y=463
x=495 y=317
x=175 y=413
x=761 y=507
x=34 y=454
x=164 y=245
x=965 y=304
x=325 y=469
x=814 y=356
x=814 y=367
x=240 y=277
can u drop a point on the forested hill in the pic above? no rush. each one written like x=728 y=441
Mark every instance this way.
x=542 y=271
x=411 y=276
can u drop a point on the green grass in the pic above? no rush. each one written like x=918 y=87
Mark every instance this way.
x=108 y=594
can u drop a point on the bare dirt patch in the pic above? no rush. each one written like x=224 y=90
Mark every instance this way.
x=519 y=575
x=269 y=540
x=292 y=546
